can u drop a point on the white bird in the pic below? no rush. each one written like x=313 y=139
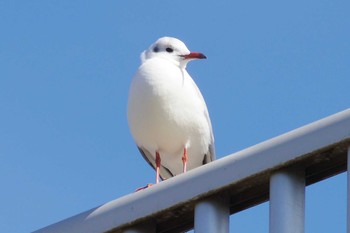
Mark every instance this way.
x=167 y=115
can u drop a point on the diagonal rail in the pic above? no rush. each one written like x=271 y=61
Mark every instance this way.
x=241 y=180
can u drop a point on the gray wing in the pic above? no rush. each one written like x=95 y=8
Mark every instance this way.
x=165 y=173
x=210 y=156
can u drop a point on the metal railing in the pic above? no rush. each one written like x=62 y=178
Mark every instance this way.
x=276 y=170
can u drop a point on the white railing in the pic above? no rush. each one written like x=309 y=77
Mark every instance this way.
x=276 y=170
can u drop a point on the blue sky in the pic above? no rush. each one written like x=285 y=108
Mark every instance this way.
x=65 y=70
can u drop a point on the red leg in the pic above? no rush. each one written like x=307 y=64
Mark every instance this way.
x=157 y=166
x=184 y=160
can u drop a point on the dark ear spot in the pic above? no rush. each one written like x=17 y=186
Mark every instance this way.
x=155 y=49
x=169 y=50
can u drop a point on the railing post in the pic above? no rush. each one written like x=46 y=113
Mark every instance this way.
x=287 y=202
x=348 y=200
x=142 y=228
x=212 y=215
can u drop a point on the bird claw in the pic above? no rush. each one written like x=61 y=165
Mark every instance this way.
x=144 y=187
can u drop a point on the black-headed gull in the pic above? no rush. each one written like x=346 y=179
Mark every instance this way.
x=167 y=114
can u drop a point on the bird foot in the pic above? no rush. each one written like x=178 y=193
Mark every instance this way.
x=144 y=187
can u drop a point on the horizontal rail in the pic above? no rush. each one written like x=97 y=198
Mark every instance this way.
x=320 y=149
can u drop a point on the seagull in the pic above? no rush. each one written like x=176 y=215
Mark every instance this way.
x=167 y=114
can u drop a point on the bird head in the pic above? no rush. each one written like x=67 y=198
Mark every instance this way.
x=173 y=50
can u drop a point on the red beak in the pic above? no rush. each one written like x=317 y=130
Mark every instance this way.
x=195 y=55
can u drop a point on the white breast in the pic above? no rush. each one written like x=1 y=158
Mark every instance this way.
x=166 y=112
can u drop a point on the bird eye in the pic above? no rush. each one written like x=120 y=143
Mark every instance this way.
x=155 y=49
x=169 y=50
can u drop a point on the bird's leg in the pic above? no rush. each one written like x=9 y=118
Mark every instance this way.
x=157 y=166
x=184 y=160
x=157 y=173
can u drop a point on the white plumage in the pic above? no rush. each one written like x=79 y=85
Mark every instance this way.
x=167 y=114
